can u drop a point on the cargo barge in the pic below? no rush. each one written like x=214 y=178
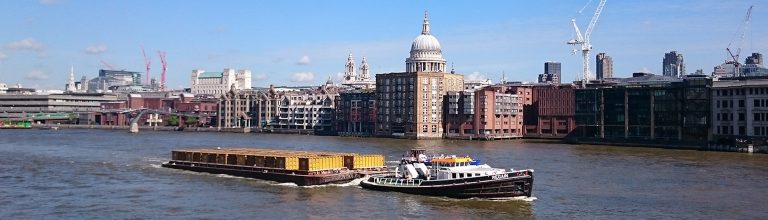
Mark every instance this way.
x=304 y=168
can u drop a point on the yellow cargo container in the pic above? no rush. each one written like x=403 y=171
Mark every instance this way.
x=292 y=163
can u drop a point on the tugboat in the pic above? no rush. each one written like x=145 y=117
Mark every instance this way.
x=452 y=176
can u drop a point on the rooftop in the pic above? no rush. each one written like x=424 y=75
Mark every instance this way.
x=211 y=75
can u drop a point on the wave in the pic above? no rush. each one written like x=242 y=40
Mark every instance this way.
x=516 y=198
x=355 y=182
x=155 y=159
x=499 y=199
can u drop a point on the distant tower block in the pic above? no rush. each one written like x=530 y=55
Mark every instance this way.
x=603 y=66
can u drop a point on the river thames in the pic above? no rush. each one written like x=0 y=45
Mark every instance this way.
x=105 y=174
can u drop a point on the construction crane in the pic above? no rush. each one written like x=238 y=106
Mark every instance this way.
x=742 y=32
x=162 y=74
x=584 y=41
x=107 y=65
x=147 y=62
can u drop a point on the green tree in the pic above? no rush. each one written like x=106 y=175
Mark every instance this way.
x=173 y=120
x=192 y=122
x=72 y=118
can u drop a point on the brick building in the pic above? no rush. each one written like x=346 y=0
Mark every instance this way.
x=552 y=114
x=486 y=113
x=356 y=113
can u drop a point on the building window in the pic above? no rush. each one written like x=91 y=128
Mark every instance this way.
x=741 y=103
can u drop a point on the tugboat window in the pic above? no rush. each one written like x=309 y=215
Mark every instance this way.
x=453 y=176
x=461 y=175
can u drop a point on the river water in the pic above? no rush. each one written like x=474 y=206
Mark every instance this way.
x=105 y=174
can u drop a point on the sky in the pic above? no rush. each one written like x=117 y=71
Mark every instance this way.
x=305 y=42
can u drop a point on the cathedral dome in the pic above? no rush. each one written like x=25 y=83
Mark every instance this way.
x=425 y=43
x=426 y=53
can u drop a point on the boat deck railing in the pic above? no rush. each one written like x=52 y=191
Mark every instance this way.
x=396 y=181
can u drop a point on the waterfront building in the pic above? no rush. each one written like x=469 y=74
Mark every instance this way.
x=552 y=73
x=235 y=108
x=603 y=66
x=356 y=113
x=110 y=79
x=53 y=108
x=486 y=113
x=673 y=65
x=296 y=111
x=266 y=106
x=361 y=80
x=53 y=103
x=310 y=111
x=551 y=112
x=218 y=83
x=410 y=104
x=645 y=109
x=740 y=107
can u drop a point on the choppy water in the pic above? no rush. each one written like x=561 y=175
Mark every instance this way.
x=103 y=174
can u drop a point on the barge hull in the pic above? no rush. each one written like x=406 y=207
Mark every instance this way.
x=499 y=188
x=265 y=173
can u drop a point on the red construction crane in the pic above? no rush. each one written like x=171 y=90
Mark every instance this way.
x=147 y=62
x=162 y=74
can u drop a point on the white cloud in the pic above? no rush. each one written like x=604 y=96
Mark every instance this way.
x=304 y=60
x=259 y=76
x=36 y=75
x=49 y=2
x=303 y=77
x=26 y=44
x=3 y=56
x=96 y=49
x=475 y=76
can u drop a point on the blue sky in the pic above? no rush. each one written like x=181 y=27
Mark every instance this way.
x=305 y=42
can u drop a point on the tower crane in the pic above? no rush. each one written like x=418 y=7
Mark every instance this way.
x=735 y=54
x=147 y=62
x=162 y=73
x=110 y=66
x=584 y=41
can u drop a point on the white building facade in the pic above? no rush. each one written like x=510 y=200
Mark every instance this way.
x=218 y=83
x=740 y=107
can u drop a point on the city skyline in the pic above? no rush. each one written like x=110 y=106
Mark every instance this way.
x=302 y=43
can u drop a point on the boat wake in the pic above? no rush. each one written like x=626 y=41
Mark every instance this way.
x=354 y=182
x=516 y=198
x=499 y=199
x=155 y=159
